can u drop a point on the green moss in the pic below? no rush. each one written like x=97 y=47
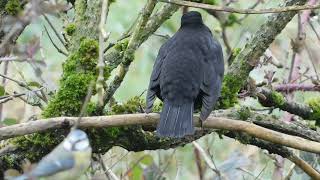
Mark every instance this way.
x=242 y=137
x=277 y=98
x=212 y=2
x=259 y=118
x=231 y=20
x=244 y=113
x=133 y=105
x=236 y=51
x=69 y=99
x=229 y=92
x=122 y=45
x=70 y=29
x=38 y=144
x=157 y=107
x=13 y=7
x=314 y=104
x=78 y=71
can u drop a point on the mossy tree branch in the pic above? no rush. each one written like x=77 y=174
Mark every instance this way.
x=249 y=56
x=277 y=100
x=152 y=119
x=114 y=56
x=133 y=44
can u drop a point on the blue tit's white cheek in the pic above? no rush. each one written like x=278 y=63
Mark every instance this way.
x=67 y=145
x=82 y=145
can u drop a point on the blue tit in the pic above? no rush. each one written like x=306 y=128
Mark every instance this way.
x=69 y=160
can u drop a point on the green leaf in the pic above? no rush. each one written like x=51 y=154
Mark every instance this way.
x=9 y=121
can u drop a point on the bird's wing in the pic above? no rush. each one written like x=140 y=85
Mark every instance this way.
x=53 y=163
x=154 y=79
x=213 y=75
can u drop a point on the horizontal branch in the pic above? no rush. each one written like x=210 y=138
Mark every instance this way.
x=241 y=11
x=151 y=119
x=296 y=87
x=275 y=99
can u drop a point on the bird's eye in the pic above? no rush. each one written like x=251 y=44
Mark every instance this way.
x=81 y=145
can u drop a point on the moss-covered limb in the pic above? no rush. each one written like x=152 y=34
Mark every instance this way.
x=133 y=138
x=269 y=122
x=86 y=23
x=249 y=56
x=276 y=99
x=114 y=56
x=133 y=44
x=78 y=71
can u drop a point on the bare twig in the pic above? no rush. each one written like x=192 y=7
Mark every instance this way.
x=20 y=59
x=206 y=158
x=54 y=30
x=241 y=11
x=106 y=169
x=24 y=85
x=103 y=36
x=296 y=87
x=54 y=44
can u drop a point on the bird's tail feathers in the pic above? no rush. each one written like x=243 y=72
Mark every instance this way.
x=176 y=121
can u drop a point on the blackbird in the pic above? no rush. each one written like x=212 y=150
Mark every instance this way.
x=187 y=73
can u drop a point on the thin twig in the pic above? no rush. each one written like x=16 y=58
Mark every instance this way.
x=206 y=158
x=85 y=104
x=314 y=30
x=24 y=85
x=252 y=7
x=241 y=11
x=106 y=169
x=54 y=44
x=167 y=164
x=54 y=30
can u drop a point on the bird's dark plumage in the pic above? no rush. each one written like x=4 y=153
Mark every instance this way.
x=188 y=71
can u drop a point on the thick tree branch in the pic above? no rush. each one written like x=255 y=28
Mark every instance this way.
x=249 y=56
x=275 y=99
x=133 y=44
x=241 y=11
x=114 y=56
x=151 y=119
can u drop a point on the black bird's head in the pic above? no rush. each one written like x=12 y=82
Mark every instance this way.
x=191 y=17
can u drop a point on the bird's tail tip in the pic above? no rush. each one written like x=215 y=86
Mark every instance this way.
x=176 y=121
